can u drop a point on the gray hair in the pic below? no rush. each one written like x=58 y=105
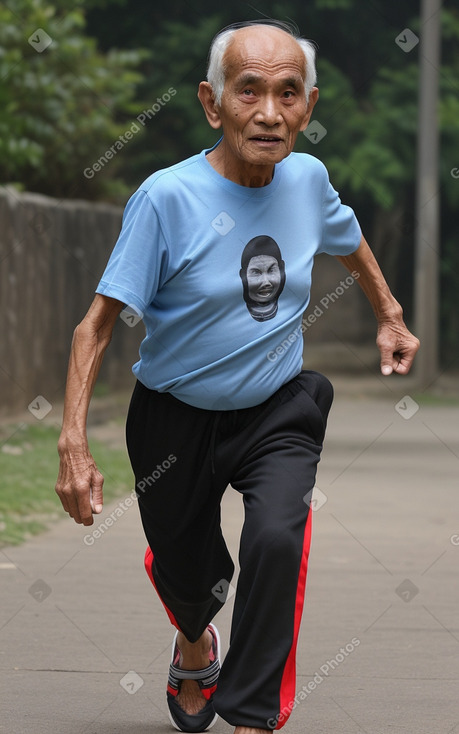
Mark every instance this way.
x=216 y=68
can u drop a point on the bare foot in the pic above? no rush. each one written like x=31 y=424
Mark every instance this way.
x=193 y=656
x=250 y=730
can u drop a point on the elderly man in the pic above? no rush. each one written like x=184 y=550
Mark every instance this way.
x=209 y=408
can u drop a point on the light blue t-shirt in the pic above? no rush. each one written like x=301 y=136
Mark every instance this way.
x=221 y=274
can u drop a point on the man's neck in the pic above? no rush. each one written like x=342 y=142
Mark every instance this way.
x=238 y=171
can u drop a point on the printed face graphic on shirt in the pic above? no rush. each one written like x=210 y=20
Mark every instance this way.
x=263 y=277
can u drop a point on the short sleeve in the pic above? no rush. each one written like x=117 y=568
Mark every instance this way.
x=341 y=232
x=138 y=260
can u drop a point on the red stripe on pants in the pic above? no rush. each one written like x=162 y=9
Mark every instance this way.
x=149 y=558
x=287 y=690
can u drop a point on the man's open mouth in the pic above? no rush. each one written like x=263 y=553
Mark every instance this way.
x=267 y=138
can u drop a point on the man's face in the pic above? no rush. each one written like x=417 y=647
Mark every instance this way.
x=263 y=105
x=263 y=278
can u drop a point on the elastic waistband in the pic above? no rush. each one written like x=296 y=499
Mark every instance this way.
x=290 y=389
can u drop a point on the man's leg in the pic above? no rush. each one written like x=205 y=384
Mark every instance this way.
x=288 y=425
x=279 y=454
x=170 y=447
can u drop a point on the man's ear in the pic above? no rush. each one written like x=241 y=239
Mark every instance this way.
x=313 y=97
x=206 y=97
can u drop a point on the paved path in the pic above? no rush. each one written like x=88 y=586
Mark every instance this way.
x=380 y=632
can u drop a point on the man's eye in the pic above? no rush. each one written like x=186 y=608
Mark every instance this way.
x=247 y=92
x=289 y=94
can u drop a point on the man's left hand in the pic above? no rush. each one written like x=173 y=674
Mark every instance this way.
x=397 y=346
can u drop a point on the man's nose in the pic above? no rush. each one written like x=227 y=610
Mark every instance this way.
x=268 y=111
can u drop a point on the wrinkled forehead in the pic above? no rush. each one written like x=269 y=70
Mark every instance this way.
x=267 y=51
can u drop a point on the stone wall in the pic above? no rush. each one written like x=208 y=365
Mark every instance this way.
x=52 y=255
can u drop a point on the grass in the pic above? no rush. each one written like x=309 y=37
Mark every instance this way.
x=28 y=469
x=436 y=400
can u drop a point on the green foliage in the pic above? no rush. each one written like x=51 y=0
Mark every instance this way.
x=370 y=144
x=334 y=4
x=59 y=105
x=62 y=109
x=179 y=129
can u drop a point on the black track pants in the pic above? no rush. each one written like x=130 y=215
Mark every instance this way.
x=183 y=459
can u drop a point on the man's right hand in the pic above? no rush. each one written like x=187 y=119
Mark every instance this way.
x=79 y=484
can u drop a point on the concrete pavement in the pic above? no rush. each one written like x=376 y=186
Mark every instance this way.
x=85 y=643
